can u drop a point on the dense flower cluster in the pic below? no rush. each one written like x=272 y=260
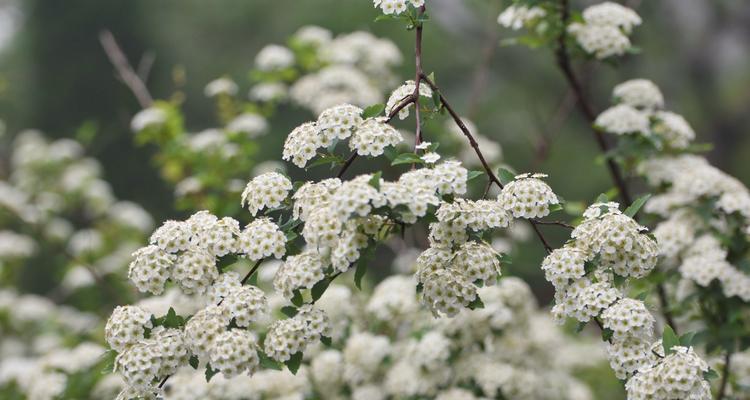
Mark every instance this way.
x=527 y=196
x=403 y=92
x=605 y=29
x=517 y=16
x=396 y=6
x=639 y=111
x=266 y=191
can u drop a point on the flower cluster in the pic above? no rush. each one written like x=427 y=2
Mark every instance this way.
x=367 y=136
x=397 y=6
x=518 y=16
x=402 y=93
x=605 y=29
x=527 y=196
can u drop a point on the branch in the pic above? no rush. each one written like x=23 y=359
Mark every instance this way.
x=557 y=223
x=124 y=70
x=418 y=80
x=725 y=376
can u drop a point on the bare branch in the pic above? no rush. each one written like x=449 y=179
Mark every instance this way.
x=124 y=70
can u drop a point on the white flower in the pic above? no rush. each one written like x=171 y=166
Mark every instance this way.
x=674 y=129
x=622 y=119
x=516 y=17
x=602 y=41
x=147 y=118
x=221 y=86
x=251 y=124
x=639 y=93
x=266 y=191
x=126 y=326
x=274 y=57
x=527 y=196
x=612 y=14
x=430 y=158
x=401 y=93
x=300 y=146
x=372 y=136
x=234 y=352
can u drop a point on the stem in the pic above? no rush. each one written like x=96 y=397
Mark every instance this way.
x=418 y=80
x=725 y=376
x=124 y=70
x=251 y=272
x=563 y=62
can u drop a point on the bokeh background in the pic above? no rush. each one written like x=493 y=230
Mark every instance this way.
x=55 y=77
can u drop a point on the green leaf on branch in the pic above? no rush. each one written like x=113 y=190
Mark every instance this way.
x=602 y=198
x=375 y=180
x=326 y=341
x=359 y=273
x=710 y=374
x=636 y=206
x=580 y=326
x=294 y=362
x=319 y=288
x=268 y=362
x=505 y=259
x=669 y=339
x=476 y=303
x=289 y=311
x=193 y=361
x=373 y=111
x=474 y=174
x=297 y=298
x=210 y=372
x=687 y=339
x=607 y=334
x=407 y=158
x=505 y=176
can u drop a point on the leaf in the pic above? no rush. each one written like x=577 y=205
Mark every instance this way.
x=602 y=198
x=373 y=111
x=297 y=299
x=359 y=273
x=319 y=288
x=687 y=339
x=505 y=176
x=669 y=339
x=268 y=362
x=172 y=320
x=294 y=362
x=326 y=341
x=289 y=311
x=375 y=180
x=607 y=334
x=210 y=372
x=580 y=326
x=476 y=303
x=193 y=361
x=710 y=374
x=633 y=209
x=407 y=158
x=474 y=174
x=505 y=258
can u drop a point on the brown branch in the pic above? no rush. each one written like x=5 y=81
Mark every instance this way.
x=418 y=80
x=563 y=62
x=124 y=70
x=493 y=178
x=556 y=223
x=724 y=376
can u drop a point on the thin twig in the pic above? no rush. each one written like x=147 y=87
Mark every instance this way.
x=557 y=223
x=418 y=80
x=725 y=376
x=124 y=69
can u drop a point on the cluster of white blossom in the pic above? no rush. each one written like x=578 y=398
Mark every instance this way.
x=605 y=29
x=639 y=110
x=397 y=6
x=366 y=136
x=403 y=92
x=518 y=16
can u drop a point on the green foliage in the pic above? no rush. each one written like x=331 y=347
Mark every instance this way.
x=669 y=339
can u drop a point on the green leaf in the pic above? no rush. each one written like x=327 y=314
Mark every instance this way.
x=359 y=273
x=602 y=198
x=687 y=339
x=289 y=311
x=474 y=174
x=210 y=372
x=319 y=288
x=555 y=207
x=375 y=180
x=633 y=209
x=193 y=361
x=710 y=374
x=268 y=362
x=580 y=326
x=297 y=299
x=505 y=258
x=607 y=334
x=373 y=111
x=407 y=158
x=172 y=320
x=505 y=176
x=326 y=341
x=294 y=362
x=476 y=303
x=669 y=339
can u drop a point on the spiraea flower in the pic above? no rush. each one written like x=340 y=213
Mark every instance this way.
x=447 y=291
x=564 y=265
x=517 y=16
x=289 y=336
x=266 y=191
x=195 y=270
x=356 y=197
x=604 y=32
x=639 y=93
x=172 y=236
x=126 y=326
x=274 y=57
x=302 y=271
x=312 y=196
x=372 y=137
x=528 y=196
x=477 y=262
x=338 y=122
x=396 y=6
x=623 y=119
x=234 y=352
x=204 y=327
x=628 y=318
x=301 y=145
x=612 y=14
x=150 y=269
x=261 y=239
x=245 y=304
x=678 y=376
x=629 y=355
x=674 y=129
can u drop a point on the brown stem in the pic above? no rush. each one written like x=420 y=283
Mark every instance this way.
x=724 y=376
x=418 y=80
x=124 y=70
x=493 y=178
x=557 y=223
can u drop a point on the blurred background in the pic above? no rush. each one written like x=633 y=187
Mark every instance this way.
x=55 y=77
